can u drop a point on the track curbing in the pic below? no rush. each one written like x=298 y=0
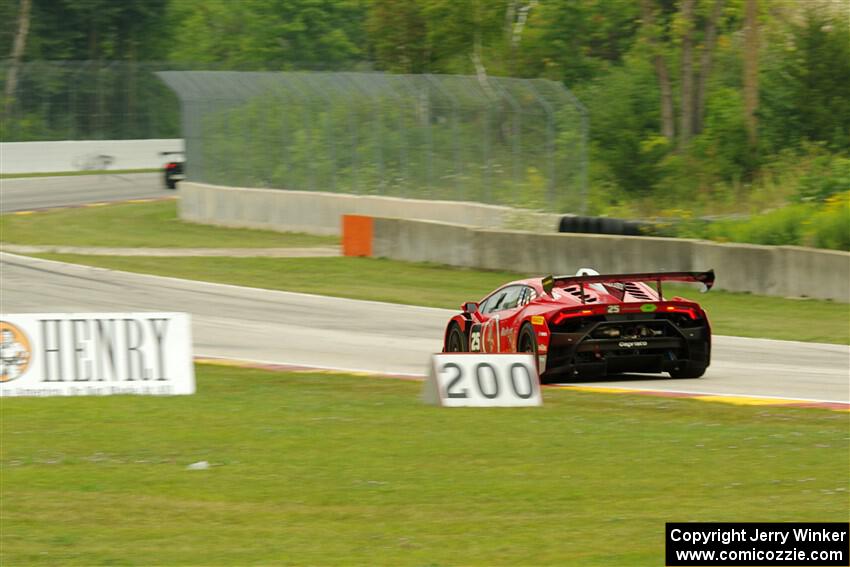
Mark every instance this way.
x=703 y=397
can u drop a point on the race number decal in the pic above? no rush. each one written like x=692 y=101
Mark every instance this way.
x=475 y=338
x=613 y=309
x=483 y=380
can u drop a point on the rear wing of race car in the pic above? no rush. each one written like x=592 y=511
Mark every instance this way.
x=704 y=278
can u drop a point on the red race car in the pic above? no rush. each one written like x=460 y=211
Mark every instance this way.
x=591 y=325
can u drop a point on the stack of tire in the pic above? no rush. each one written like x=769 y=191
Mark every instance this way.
x=604 y=225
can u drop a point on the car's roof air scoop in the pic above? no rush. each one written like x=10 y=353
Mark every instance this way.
x=587 y=272
x=590 y=272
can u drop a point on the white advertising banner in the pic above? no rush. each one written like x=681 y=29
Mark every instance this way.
x=95 y=354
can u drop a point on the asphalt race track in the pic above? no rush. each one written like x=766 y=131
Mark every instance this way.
x=30 y=193
x=298 y=329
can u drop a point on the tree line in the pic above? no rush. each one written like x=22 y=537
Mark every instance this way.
x=685 y=96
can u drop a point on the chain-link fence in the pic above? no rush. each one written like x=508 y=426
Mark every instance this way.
x=87 y=100
x=497 y=140
x=488 y=139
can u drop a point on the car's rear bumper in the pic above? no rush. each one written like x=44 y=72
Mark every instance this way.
x=579 y=355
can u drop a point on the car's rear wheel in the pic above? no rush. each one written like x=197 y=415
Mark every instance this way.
x=528 y=344
x=527 y=341
x=456 y=341
x=688 y=371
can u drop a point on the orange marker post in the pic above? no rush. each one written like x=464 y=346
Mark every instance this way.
x=357 y=232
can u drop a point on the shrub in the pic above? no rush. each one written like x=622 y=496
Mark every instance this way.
x=830 y=227
x=781 y=226
x=828 y=175
x=820 y=225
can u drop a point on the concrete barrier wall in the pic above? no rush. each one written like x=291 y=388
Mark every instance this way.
x=747 y=267
x=45 y=157
x=479 y=236
x=825 y=270
x=784 y=271
x=320 y=213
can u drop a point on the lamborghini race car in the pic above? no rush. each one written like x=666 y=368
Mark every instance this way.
x=591 y=325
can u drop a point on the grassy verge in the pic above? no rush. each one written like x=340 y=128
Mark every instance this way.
x=440 y=286
x=355 y=278
x=85 y=172
x=746 y=315
x=152 y=224
x=313 y=469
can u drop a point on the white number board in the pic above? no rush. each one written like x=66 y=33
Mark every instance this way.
x=95 y=354
x=482 y=380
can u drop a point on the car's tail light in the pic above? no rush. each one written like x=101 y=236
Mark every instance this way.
x=675 y=309
x=571 y=314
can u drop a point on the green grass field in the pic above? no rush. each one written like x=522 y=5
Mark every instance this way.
x=153 y=225
x=318 y=469
x=441 y=286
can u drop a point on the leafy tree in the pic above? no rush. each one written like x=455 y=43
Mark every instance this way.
x=624 y=116
x=9 y=12
x=460 y=32
x=667 y=34
x=17 y=52
x=576 y=41
x=98 y=30
x=270 y=34
x=399 y=36
x=806 y=85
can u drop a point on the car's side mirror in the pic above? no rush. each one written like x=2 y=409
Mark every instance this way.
x=469 y=307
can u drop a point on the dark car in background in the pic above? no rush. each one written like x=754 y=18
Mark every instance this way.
x=174 y=169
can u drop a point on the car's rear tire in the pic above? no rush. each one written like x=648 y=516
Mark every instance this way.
x=456 y=340
x=528 y=343
x=688 y=371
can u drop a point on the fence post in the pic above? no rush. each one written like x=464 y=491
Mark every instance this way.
x=516 y=142
x=460 y=193
x=550 y=141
